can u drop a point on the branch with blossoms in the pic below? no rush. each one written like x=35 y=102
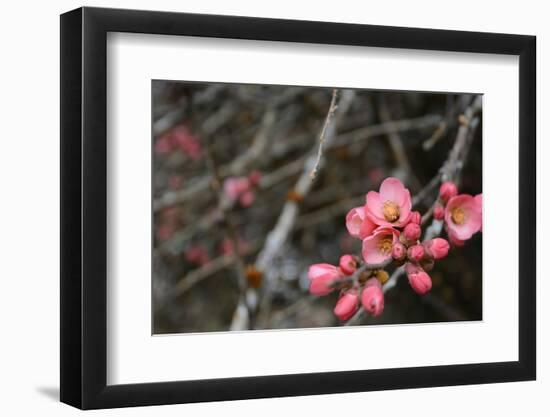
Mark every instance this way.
x=390 y=232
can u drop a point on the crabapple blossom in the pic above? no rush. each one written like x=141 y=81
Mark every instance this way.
x=415 y=253
x=347 y=305
x=320 y=276
x=437 y=248
x=419 y=280
x=377 y=248
x=412 y=232
x=391 y=236
x=358 y=224
x=399 y=251
x=391 y=206
x=348 y=264
x=415 y=217
x=240 y=189
x=372 y=297
x=439 y=212
x=447 y=191
x=462 y=217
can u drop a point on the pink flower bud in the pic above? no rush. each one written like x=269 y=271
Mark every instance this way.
x=419 y=280
x=372 y=297
x=398 y=251
x=254 y=177
x=321 y=276
x=438 y=248
x=439 y=212
x=346 y=305
x=348 y=264
x=415 y=217
x=415 y=253
x=447 y=190
x=412 y=232
x=246 y=199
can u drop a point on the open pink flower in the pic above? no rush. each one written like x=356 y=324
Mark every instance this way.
x=320 y=276
x=462 y=217
x=378 y=247
x=239 y=189
x=391 y=206
x=358 y=224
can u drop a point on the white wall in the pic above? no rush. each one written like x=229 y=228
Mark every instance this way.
x=29 y=265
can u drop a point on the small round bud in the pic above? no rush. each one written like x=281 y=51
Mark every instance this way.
x=398 y=251
x=372 y=297
x=412 y=232
x=438 y=248
x=447 y=190
x=348 y=264
x=347 y=305
x=419 y=280
x=415 y=217
x=439 y=212
x=416 y=253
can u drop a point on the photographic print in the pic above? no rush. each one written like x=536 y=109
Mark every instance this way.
x=285 y=207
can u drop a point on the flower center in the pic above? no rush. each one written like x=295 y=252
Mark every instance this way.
x=390 y=211
x=458 y=215
x=384 y=246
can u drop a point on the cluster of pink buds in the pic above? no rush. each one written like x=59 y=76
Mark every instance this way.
x=390 y=233
x=462 y=213
x=241 y=189
x=179 y=137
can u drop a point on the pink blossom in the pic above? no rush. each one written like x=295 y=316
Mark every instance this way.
x=372 y=297
x=462 y=217
x=358 y=224
x=196 y=255
x=479 y=203
x=348 y=264
x=419 y=280
x=415 y=217
x=246 y=199
x=412 y=232
x=391 y=206
x=164 y=232
x=189 y=144
x=239 y=189
x=455 y=240
x=163 y=144
x=416 y=253
x=439 y=212
x=254 y=177
x=347 y=305
x=437 y=248
x=320 y=276
x=378 y=247
x=399 y=251
x=447 y=191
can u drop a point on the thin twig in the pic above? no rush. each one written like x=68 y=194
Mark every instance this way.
x=332 y=108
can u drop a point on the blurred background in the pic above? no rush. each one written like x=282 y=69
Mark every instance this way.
x=238 y=219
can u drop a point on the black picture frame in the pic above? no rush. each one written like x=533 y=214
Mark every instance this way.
x=84 y=207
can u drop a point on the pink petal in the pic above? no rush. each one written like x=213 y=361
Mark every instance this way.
x=392 y=189
x=374 y=205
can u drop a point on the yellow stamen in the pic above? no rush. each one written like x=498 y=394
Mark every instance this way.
x=458 y=216
x=384 y=246
x=390 y=211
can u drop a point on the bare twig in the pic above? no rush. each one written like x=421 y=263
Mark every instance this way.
x=332 y=108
